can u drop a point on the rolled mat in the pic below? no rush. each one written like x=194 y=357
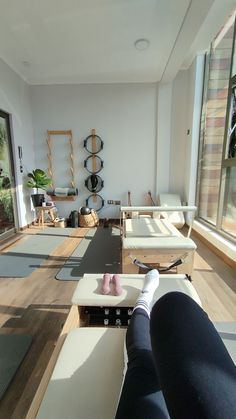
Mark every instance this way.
x=70 y=191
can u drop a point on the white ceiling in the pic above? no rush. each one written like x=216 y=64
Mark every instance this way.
x=92 y=41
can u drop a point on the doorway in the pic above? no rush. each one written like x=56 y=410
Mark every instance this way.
x=8 y=218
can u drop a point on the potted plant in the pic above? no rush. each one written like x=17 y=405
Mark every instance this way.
x=38 y=179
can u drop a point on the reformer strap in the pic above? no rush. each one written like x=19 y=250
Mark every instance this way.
x=177 y=262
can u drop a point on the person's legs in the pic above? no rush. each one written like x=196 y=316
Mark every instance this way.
x=197 y=375
x=141 y=397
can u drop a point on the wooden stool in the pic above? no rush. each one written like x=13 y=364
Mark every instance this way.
x=41 y=211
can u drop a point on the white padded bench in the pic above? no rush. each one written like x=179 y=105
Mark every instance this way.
x=149 y=227
x=154 y=240
x=88 y=375
x=158 y=212
x=87 y=292
x=87 y=379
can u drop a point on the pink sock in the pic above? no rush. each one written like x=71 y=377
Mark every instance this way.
x=117 y=285
x=106 y=284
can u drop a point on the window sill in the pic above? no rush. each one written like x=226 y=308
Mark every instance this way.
x=221 y=244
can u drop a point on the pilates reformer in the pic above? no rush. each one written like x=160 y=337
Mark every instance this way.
x=88 y=362
x=134 y=214
x=166 y=200
x=152 y=239
x=151 y=198
x=169 y=200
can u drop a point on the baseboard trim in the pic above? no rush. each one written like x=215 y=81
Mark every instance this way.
x=216 y=250
x=27 y=226
x=10 y=241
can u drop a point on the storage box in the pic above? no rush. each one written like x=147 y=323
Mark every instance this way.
x=60 y=223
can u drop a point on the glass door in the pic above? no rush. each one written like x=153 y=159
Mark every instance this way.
x=7 y=181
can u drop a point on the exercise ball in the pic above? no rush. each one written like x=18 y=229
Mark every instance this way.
x=85 y=210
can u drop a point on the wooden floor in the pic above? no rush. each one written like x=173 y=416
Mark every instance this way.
x=39 y=305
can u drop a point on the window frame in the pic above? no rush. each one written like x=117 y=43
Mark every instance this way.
x=225 y=162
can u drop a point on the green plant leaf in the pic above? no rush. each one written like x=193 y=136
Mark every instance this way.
x=38 y=179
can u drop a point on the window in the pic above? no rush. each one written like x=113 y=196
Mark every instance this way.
x=7 y=180
x=217 y=154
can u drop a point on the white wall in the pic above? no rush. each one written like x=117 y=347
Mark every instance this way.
x=196 y=74
x=164 y=116
x=124 y=115
x=186 y=110
x=14 y=99
x=179 y=134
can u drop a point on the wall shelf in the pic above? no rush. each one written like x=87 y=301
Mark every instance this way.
x=63 y=198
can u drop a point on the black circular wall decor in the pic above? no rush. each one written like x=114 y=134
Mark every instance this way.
x=88 y=162
x=94 y=183
x=89 y=146
x=94 y=164
x=97 y=206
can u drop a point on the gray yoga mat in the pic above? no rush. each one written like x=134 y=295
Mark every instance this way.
x=56 y=231
x=99 y=251
x=29 y=254
x=13 y=348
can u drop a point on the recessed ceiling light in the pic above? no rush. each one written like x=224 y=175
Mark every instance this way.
x=26 y=63
x=142 y=44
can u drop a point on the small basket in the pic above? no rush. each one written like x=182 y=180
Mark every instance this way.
x=60 y=223
x=89 y=220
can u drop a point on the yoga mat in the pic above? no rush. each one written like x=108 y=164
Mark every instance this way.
x=56 y=231
x=13 y=348
x=99 y=251
x=29 y=254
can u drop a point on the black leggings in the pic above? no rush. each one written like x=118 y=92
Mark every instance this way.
x=177 y=363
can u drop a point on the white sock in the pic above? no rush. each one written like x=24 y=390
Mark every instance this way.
x=151 y=282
